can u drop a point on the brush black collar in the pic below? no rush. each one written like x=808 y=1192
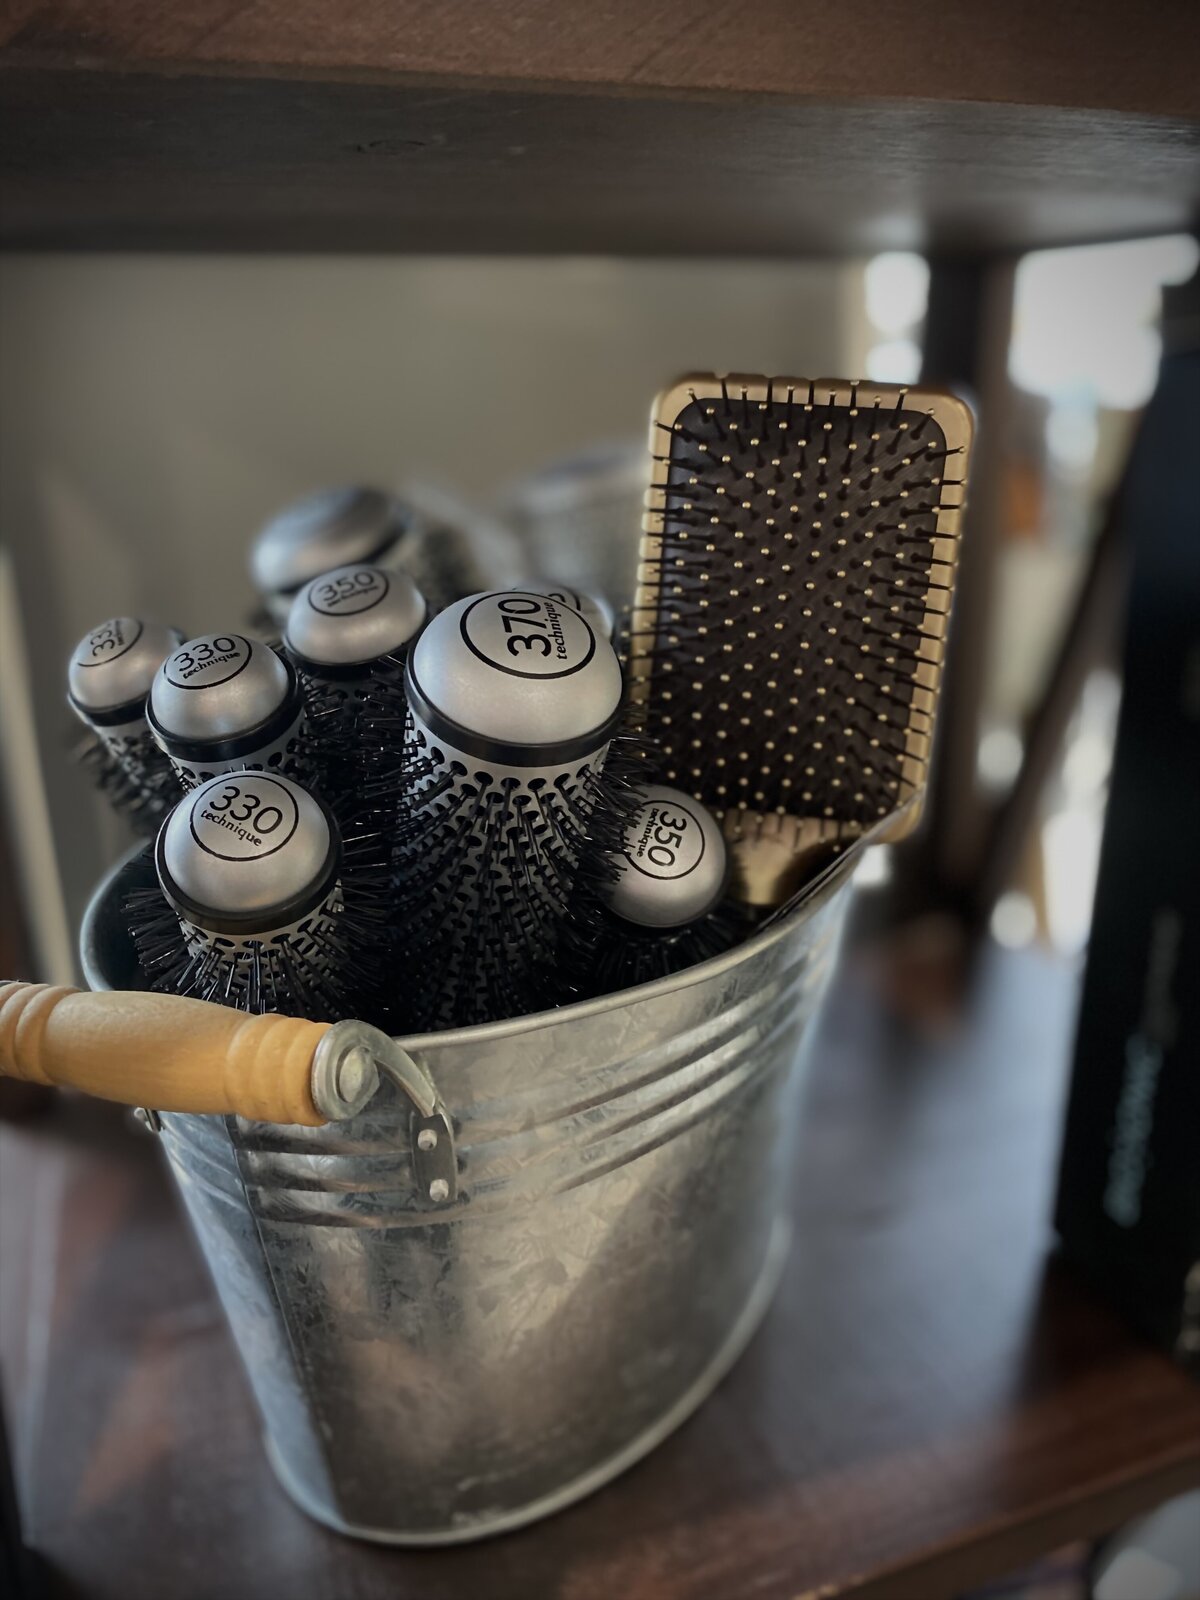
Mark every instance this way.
x=237 y=746
x=500 y=752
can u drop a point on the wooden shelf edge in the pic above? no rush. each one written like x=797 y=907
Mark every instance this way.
x=1022 y=52
x=132 y=157
x=1012 y=1544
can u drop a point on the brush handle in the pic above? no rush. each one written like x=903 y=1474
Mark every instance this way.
x=161 y=1051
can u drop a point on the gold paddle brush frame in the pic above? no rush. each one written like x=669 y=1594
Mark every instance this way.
x=777 y=851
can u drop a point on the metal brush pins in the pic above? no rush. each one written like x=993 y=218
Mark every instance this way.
x=797 y=566
x=250 y=909
x=514 y=701
x=224 y=703
x=665 y=905
x=108 y=681
x=348 y=636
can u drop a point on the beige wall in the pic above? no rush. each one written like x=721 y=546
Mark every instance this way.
x=154 y=410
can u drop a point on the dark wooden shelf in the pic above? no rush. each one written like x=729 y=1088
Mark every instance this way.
x=932 y=1401
x=686 y=127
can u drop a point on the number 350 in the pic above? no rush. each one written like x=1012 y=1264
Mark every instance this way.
x=668 y=836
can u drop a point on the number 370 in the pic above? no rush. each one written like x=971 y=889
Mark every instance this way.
x=519 y=613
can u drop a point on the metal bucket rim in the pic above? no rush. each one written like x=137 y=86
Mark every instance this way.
x=815 y=894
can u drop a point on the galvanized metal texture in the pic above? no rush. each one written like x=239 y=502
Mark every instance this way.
x=431 y=1371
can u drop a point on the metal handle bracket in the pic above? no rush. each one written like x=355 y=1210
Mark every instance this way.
x=346 y=1069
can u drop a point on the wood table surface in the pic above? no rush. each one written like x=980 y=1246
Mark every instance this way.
x=932 y=1401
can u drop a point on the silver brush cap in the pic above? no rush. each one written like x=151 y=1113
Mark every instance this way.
x=515 y=678
x=674 y=867
x=324 y=530
x=247 y=853
x=353 y=615
x=217 y=687
x=592 y=606
x=113 y=667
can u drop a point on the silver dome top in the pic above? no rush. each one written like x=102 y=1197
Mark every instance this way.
x=324 y=530
x=592 y=606
x=247 y=848
x=515 y=668
x=674 y=865
x=218 y=686
x=114 y=665
x=352 y=615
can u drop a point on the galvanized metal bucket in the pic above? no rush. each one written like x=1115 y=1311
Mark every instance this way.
x=428 y=1375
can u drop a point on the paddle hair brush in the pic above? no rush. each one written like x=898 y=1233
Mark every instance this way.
x=255 y=908
x=666 y=901
x=348 y=636
x=108 y=683
x=224 y=702
x=797 y=567
x=515 y=702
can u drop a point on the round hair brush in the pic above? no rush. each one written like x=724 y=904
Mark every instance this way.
x=514 y=703
x=326 y=530
x=227 y=703
x=667 y=902
x=108 y=683
x=253 y=906
x=348 y=636
x=442 y=546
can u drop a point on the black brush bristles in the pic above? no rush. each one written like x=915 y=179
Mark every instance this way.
x=664 y=898
x=298 y=974
x=517 y=774
x=796 y=572
x=607 y=956
x=140 y=791
x=489 y=872
x=348 y=636
x=109 y=679
x=357 y=728
x=324 y=969
x=321 y=950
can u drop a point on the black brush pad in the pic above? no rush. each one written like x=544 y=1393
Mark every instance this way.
x=794 y=576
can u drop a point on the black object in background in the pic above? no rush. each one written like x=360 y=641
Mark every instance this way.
x=17 y=1570
x=1128 y=1209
